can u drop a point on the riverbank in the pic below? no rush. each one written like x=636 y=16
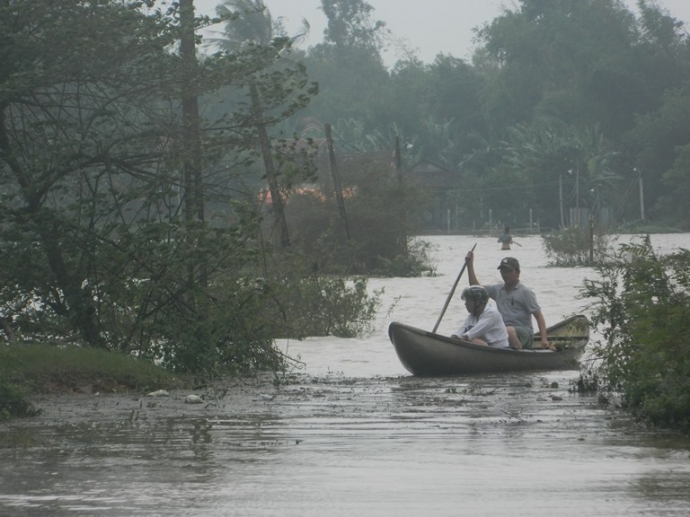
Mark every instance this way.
x=70 y=407
x=30 y=370
x=329 y=396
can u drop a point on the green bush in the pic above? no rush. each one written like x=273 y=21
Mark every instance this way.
x=380 y=214
x=642 y=306
x=13 y=402
x=299 y=301
x=575 y=246
x=414 y=263
x=327 y=306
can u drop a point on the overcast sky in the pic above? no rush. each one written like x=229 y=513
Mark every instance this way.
x=427 y=27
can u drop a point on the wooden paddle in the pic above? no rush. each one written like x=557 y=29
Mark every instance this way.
x=450 y=295
x=562 y=338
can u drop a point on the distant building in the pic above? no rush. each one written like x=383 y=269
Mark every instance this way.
x=440 y=180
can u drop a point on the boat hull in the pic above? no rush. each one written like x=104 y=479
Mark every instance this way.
x=424 y=353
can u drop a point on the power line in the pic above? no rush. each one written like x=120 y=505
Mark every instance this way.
x=509 y=187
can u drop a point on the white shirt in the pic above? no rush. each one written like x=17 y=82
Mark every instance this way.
x=488 y=327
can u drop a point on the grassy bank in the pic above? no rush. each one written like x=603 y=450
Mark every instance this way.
x=32 y=368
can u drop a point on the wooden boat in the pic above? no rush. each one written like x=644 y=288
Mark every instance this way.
x=427 y=354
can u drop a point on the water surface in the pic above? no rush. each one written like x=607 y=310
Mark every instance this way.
x=354 y=434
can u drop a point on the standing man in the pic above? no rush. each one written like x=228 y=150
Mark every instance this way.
x=516 y=302
x=506 y=239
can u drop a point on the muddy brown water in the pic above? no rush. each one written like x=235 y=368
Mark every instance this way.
x=352 y=433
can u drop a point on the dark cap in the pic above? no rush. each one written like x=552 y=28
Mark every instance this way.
x=509 y=263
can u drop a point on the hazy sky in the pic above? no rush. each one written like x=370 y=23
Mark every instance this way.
x=427 y=27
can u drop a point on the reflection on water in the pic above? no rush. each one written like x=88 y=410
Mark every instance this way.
x=355 y=434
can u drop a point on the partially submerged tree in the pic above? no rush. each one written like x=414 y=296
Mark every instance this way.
x=641 y=304
x=106 y=168
x=81 y=132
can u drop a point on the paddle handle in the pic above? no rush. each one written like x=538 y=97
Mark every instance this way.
x=450 y=295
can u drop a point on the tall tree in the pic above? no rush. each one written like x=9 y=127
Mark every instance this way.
x=95 y=141
x=353 y=80
x=658 y=146
x=555 y=155
x=584 y=63
x=73 y=112
x=191 y=135
x=350 y=25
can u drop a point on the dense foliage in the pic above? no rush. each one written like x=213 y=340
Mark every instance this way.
x=565 y=104
x=13 y=402
x=128 y=221
x=132 y=159
x=642 y=306
x=577 y=246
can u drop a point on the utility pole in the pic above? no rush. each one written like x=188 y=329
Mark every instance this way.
x=336 y=182
x=530 y=221
x=577 y=192
x=560 y=198
x=269 y=166
x=577 y=197
x=639 y=180
x=402 y=238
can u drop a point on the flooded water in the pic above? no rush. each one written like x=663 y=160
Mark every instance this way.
x=354 y=434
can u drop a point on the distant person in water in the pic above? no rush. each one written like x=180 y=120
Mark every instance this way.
x=506 y=239
x=516 y=302
x=484 y=324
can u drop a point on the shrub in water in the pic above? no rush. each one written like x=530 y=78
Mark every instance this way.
x=642 y=306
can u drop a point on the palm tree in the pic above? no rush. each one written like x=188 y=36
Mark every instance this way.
x=248 y=21
x=251 y=22
x=544 y=151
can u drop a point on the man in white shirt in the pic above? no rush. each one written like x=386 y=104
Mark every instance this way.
x=484 y=324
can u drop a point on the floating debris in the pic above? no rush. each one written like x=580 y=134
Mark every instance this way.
x=193 y=399
x=158 y=393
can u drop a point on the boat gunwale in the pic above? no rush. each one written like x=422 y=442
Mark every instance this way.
x=426 y=353
x=578 y=340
